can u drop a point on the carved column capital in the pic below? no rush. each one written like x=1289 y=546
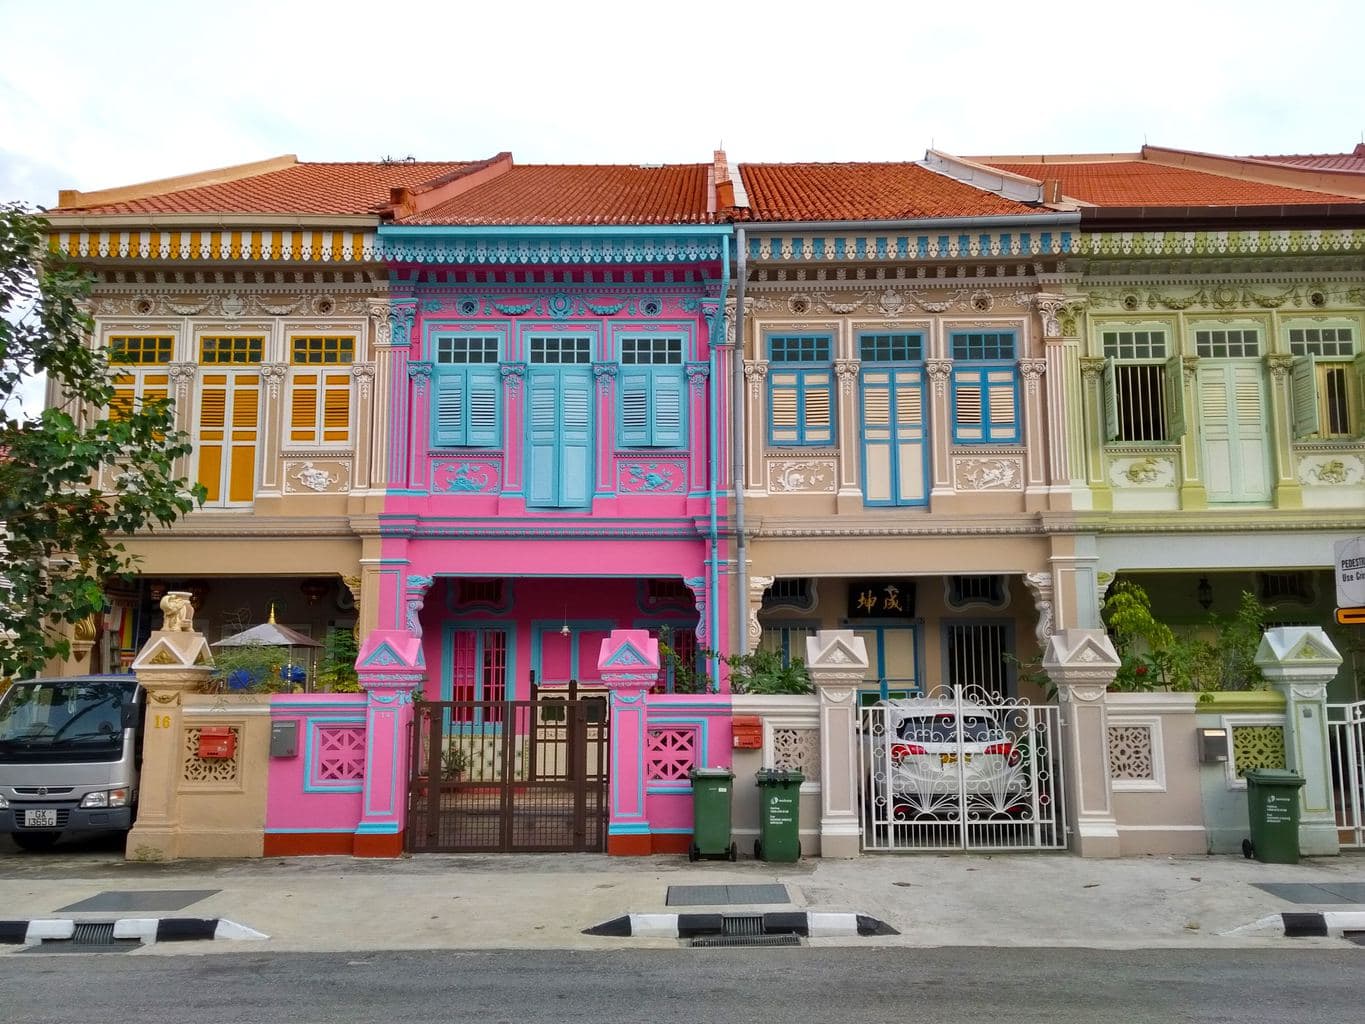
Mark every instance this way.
x=697 y=374
x=512 y=375
x=273 y=374
x=1091 y=368
x=939 y=371
x=847 y=371
x=1280 y=366
x=756 y=372
x=363 y=375
x=1040 y=586
x=420 y=374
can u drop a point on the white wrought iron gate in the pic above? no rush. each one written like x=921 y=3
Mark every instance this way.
x=1346 y=725
x=960 y=768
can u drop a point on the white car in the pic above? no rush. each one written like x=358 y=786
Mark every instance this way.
x=925 y=762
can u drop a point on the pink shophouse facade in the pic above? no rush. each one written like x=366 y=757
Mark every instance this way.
x=554 y=468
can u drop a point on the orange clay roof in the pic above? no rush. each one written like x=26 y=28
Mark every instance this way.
x=323 y=189
x=1353 y=161
x=1138 y=182
x=865 y=191
x=581 y=194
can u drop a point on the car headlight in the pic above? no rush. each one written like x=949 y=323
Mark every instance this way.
x=109 y=798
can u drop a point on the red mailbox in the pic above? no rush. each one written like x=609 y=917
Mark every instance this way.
x=748 y=732
x=217 y=743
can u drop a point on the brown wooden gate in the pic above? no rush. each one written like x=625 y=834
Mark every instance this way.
x=521 y=776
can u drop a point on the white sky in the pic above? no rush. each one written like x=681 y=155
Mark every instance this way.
x=96 y=94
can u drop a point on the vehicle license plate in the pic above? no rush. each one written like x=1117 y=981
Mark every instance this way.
x=40 y=819
x=952 y=758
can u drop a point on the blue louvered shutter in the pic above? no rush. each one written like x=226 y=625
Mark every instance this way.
x=634 y=407
x=1002 y=404
x=542 y=394
x=484 y=389
x=448 y=401
x=575 y=471
x=668 y=408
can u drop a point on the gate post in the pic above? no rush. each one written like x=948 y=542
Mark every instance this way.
x=391 y=665
x=1300 y=661
x=837 y=660
x=1082 y=663
x=174 y=661
x=629 y=666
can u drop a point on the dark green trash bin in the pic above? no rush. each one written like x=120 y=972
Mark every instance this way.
x=1273 y=805
x=711 y=792
x=779 y=803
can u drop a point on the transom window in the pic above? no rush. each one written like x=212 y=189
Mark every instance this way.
x=317 y=350
x=224 y=349
x=1321 y=341
x=891 y=348
x=983 y=346
x=800 y=348
x=1221 y=344
x=463 y=350
x=651 y=351
x=1135 y=344
x=140 y=350
x=561 y=350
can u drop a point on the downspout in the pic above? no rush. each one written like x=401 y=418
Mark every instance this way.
x=713 y=471
x=737 y=400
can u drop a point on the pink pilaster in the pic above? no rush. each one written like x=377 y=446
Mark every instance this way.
x=629 y=666
x=391 y=665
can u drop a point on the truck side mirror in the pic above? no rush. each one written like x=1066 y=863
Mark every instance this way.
x=128 y=716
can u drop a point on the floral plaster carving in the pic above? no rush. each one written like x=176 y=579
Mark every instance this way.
x=331 y=476
x=363 y=375
x=939 y=371
x=847 y=371
x=756 y=372
x=697 y=373
x=758 y=586
x=786 y=476
x=987 y=474
x=1331 y=470
x=653 y=477
x=512 y=376
x=1040 y=586
x=464 y=477
x=605 y=374
x=274 y=374
x=1146 y=471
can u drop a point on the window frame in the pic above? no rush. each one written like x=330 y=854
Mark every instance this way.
x=462 y=381
x=1114 y=386
x=657 y=379
x=964 y=368
x=810 y=377
x=323 y=390
x=1311 y=400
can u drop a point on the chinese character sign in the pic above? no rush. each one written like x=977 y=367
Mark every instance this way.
x=881 y=599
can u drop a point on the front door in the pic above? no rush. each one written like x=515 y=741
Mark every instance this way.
x=559 y=423
x=1232 y=424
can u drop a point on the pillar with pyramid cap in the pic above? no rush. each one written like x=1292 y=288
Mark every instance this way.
x=837 y=660
x=1299 y=661
x=629 y=666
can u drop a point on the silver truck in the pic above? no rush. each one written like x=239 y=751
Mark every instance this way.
x=70 y=751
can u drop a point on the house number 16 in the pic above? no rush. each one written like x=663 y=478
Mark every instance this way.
x=161 y=721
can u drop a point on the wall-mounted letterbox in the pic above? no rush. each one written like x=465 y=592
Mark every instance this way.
x=217 y=743
x=284 y=739
x=1213 y=746
x=748 y=732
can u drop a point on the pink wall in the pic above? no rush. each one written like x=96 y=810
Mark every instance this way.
x=316 y=791
x=706 y=719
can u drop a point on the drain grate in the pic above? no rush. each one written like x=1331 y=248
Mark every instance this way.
x=745 y=940
x=88 y=937
x=93 y=933
x=742 y=924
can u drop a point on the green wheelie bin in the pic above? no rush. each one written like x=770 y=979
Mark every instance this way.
x=779 y=801
x=711 y=792
x=1273 y=806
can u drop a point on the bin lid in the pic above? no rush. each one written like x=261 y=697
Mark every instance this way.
x=711 y=773
x=1281 y=777
x=778 y=776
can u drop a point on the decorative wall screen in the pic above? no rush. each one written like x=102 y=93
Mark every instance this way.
x=671 y=753
x=340 y=754
x=210 y=771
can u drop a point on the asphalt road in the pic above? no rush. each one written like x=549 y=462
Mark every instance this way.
x=943 y=986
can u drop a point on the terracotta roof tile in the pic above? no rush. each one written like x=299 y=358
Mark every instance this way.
x=337 y=189
x=1353 y=161
x=583 y=194
x=1143 y=183
x=865 y=191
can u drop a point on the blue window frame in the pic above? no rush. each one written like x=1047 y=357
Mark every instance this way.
x=652 y=396
x=559 y=423
x=985 y=384
x=465 y=391
x=895 y=464
x=801 y=389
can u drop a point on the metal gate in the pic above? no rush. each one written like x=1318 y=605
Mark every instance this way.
x=960 y=769
x=1346 y=726
x=520 y=776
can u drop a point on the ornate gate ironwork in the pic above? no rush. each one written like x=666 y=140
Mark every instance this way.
x=1346 y=725
x=960 y=769
x=519 y=776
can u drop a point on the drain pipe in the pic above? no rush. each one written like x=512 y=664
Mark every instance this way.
x=737 y=401
x=713 y=472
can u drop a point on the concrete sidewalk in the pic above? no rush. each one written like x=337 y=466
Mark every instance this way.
x=545 y=901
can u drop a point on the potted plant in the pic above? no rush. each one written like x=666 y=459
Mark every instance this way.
x=454 y=763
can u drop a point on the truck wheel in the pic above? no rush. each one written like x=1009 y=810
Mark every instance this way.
x=693 y=853
x=1247 y=849
x=35 y=841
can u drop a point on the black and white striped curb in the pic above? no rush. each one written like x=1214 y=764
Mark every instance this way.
x=145 y=929
x=1309 y=924
x=686 y=926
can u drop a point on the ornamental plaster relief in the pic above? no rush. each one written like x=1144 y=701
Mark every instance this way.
x=988 y=474
x=232 y=305
x=1336 y=470
x=317 y=476
x=892 y=301
x=1143 y=471
x=1223 y=297
x=809 y=476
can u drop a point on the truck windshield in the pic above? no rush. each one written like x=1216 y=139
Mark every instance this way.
x=63 y=720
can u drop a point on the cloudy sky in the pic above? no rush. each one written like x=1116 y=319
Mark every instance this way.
x=95 y=94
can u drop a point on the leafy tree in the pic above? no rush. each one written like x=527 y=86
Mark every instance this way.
x=336 y=671
x=74 y=477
